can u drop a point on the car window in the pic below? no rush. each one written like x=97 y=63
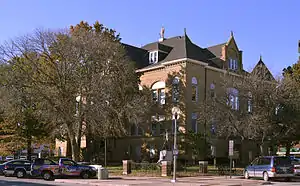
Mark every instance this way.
x=255 y=162
x=68 y=162
x=282 y=161
x=39 y=162
x=264 y=161
x=49 y=162
x=18 y=163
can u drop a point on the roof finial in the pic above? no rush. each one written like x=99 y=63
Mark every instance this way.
x=184 y=31
x=260 y=57
x=231 y=33
x=162 y=34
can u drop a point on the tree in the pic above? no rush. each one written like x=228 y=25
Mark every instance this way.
x=287 y=114
x=21 y=118
x=242 y=108
x=83 y=77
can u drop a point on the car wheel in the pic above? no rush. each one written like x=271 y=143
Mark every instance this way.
x=266 y=176
x=85 y=175
x=47 y=176
x=20 y=173
x=246 y=175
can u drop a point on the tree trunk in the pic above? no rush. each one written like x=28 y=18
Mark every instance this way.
x=261 y=147
x=288 y=149
x=89 y=146
x=75 y=149
x=29 y=142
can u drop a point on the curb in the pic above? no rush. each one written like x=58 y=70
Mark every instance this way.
x=90 y=183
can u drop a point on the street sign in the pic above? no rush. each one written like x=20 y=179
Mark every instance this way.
x=231 y=144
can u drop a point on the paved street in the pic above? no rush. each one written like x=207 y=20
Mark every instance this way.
x=12 y=181
x=143 y=181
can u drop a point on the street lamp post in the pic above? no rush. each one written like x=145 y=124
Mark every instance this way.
x=175 y=112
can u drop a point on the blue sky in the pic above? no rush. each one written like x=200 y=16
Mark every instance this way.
x=267 y=27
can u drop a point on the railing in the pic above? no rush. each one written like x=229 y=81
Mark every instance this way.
x=152 y=169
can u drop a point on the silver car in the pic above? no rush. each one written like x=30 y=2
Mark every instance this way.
x=267 y=167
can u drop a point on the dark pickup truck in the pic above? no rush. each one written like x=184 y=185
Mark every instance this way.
x=19 y=168
x=48 y=169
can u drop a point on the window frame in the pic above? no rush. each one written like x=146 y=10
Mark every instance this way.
x=153 y=57
x=194 y=87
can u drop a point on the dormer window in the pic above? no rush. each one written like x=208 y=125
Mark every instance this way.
x=153 y=57
x=233 y=64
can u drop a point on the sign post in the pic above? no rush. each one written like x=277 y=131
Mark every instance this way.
x=231 y=144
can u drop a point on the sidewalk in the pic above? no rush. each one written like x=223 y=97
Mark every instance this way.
x=147 y=181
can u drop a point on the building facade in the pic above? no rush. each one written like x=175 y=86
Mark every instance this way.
x=165 y=63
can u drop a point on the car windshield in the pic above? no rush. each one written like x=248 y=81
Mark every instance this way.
x=282 y=161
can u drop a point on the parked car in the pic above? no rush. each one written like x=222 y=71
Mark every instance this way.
x=69 y=167
x=1 y=168
x=48 y=169
x=8 y=158
x=296 y=163
x=267 y=167
x=19 y=168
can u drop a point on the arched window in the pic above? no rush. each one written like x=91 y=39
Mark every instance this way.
x=158 y=92
x=175 y=90
x=194 y=89
x=233 y=98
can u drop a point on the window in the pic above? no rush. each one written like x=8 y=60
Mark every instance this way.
x=213 y=126
x=153 y=57
x=162 y=96
x=264 y=161
x=140 y=131
x=158 y=92
x=194 y=89
x=68 y=162
x=133 y=130
x=162 y=129
x=153 y=129
x=194 y=123
x=18 y=162
x=233 y=64
x=212 y=90
x=255 y=162
x=249 y=102
x=175 y=90
x=233 y=99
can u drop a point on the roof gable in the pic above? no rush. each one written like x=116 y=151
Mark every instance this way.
x=262 y=71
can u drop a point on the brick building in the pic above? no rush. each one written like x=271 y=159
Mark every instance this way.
x=203 y=68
